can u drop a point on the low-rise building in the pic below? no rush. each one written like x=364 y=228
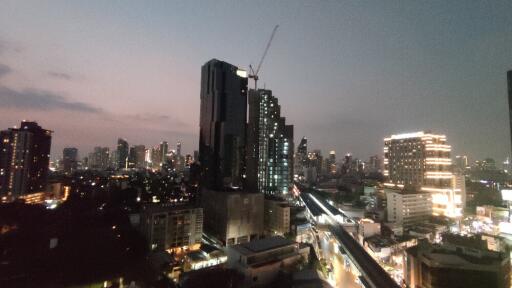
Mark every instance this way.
x=368 y=228
x=277 y=216
x=206 y=256
x=261 y=261
x=172 y=227
x=233 y=217
x=408 y=208
x=456 y=262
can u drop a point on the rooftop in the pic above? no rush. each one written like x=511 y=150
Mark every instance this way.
x=263 y=245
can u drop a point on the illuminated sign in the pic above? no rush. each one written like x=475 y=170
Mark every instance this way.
x=241 y=73
x=505 y=227
x=506 y=194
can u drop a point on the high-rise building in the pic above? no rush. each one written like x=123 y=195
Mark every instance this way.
x=164 y=150
x=24 y=160
x=422 y=161
x=461 y=163
x=122 y=153
x=188 y=160
x=69 y=159
x=331 y=163
x=301 y=158
x=509 y=84
x=156 y=156
x=139 y=156
x=316 y=160
x=269 y=145
x=374 y=164
x=178 y=148
x=99 y=158
x=222 y=124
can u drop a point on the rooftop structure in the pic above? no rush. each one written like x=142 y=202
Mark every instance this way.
x=261 y=260
x=456 y=262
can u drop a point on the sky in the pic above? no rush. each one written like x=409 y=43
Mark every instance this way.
x=347 y=73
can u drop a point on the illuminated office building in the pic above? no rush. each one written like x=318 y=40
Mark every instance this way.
x=24 y=160
x=422 y=161
x=270 y=145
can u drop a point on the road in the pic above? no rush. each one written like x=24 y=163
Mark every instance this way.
x=340 y=276
x=373 y=273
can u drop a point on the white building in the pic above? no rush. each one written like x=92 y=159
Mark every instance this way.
x=407 y=208
x=261 y=260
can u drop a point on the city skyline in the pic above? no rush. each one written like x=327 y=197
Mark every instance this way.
x=374 y=77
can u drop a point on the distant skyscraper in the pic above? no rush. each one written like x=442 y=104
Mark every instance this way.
x=24 y=159
x=122 y=153
x=188 y=160
x=315 y=160
x=374 y=164
x=69 y=159
x=422 y=161
x=509 y=82
x=461 y=162
x=178 y=148
x=164 y=150
x=331 y=163
x=138 y=157
x=301 y=157
x=99 y=158
x=222 y=124
x=270 y=143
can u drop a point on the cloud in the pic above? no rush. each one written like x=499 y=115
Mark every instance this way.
x=41 y=100
x=4 y=69
x=59 y=75
x=156 y=118
x=6 y=46
x=149 y=117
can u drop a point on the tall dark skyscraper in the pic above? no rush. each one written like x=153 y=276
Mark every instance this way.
x=509 y=82
x=270 y=141
x=122 y=153
x=69 y=159
x=24 y=159
x=301 y=157
x=222 y=124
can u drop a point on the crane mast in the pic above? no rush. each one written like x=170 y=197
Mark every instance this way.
x=254 y=73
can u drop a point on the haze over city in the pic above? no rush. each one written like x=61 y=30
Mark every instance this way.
x=347 y=73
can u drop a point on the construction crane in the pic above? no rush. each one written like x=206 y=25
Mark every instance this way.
x=254 y=73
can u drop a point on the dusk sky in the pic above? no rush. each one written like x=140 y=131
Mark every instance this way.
x=347 y=73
